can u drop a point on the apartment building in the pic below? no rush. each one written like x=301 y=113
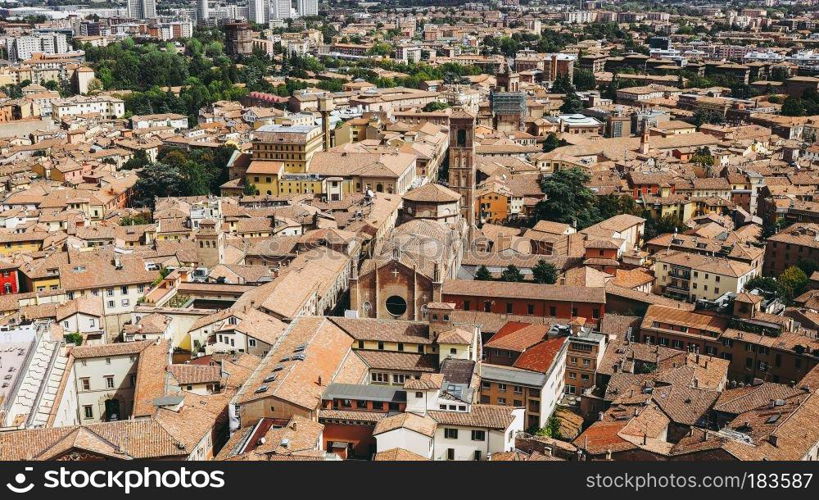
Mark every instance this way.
x=436 y=429
x=524 y=368
x=105 y=378
x=798 y=242
x=107 y=107
x=758 y=345
x=293 y=146
x=583 y=356
x=691 y=277
x=22 y=48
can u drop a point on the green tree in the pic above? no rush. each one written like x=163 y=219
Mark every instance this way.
x=793 y=282
x=610 y=92
x=562 y=85
x=551 y=143
x=435 y=106
x=544 y=272
x=138 y=160
x=571 y=104
x=741 y=91
x=511 y=273
x=793 y=106
x=704 y=159
x=483 y=274
x=552 y=428
x=380 y=49
x=567 y=200
x=584 y=79
x=808 y=266
x=708 y=116
x=663 y=225
x=779 y=74
x=73 y=338
x=764 y=283
x=609 y=205
x=136 y=220
x=158 y=179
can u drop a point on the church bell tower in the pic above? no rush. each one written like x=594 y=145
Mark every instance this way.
x=462 y=161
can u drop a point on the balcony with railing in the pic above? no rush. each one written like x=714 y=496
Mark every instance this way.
x=679 y=272
x=678 y=286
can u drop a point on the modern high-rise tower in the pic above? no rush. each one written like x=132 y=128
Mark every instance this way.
x=202 y=11
x=307 y=7
x=281 y=9
x=142 y=9
x=258 y=11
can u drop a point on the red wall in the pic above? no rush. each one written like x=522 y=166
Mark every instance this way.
x=607 y=253
x=520 y=306
x=9 y=276
x=360 y=436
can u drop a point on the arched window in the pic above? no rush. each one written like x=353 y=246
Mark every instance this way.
x=379 y=188
x=461 y=138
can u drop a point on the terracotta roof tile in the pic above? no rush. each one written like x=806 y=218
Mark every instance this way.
x=479 y=415
x=423 y=425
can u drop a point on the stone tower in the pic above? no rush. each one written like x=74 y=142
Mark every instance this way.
x=210 y=244
x=462 y=161
x=644 y=146
x=325 y=106
x=507 y=80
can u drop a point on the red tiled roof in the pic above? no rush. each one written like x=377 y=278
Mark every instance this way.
x=602 y=437
x=520 y=339
x=540 y=357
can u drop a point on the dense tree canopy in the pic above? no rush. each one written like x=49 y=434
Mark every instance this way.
x=483 y=274
x=790 y=284
x=551 y=143
x=178 y=173
x=584 y=79
x=544 y=272
x=568 y=200
x=511 y=273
